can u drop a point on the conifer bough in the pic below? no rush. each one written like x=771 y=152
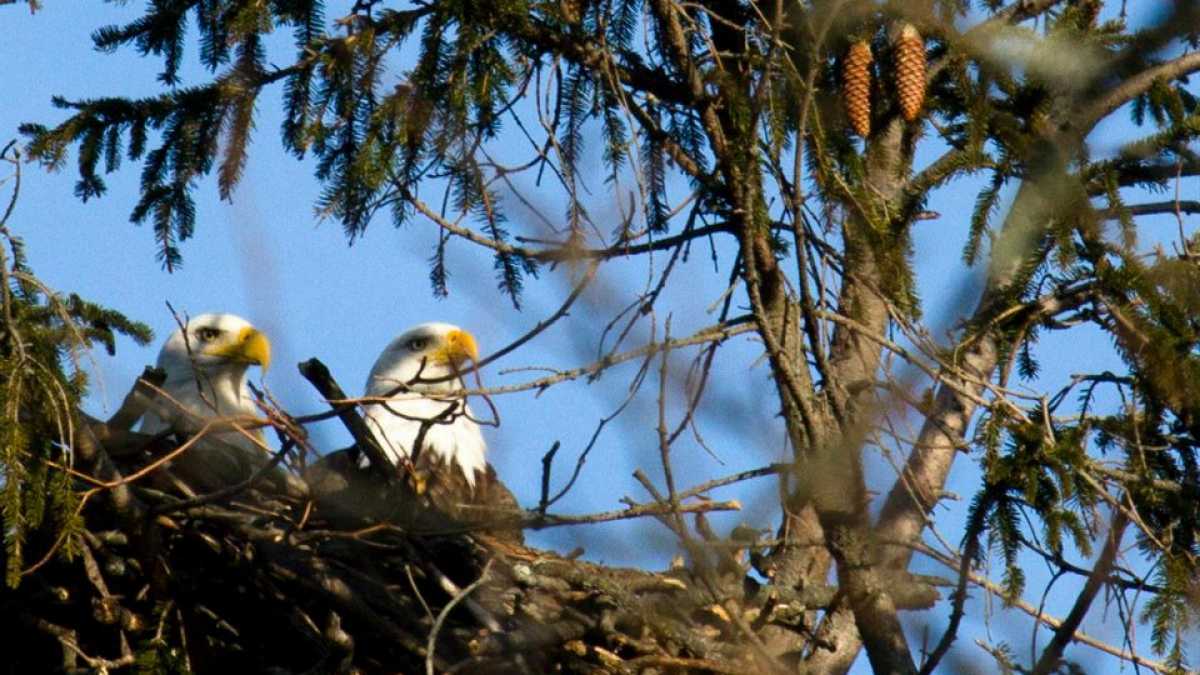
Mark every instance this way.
x=856 y=87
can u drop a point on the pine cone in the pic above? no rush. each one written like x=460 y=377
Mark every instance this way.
x=856 y=86
x=910 y=72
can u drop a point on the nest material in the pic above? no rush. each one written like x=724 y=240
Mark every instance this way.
x=359 y=574
x=243 y=587
x=354 y=574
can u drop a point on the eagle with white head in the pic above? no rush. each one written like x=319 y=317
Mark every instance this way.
x=423 y=423
x=206 y=364
x=415 y=373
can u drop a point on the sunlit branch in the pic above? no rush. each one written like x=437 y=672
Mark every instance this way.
x=1040 y=616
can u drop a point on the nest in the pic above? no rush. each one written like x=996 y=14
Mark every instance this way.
x=273 y=574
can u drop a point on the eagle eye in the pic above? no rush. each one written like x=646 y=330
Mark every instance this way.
x=207 y=334
x=418 y=344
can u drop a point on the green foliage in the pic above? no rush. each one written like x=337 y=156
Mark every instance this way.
x=1039 y=473
x=373 y=140
x=1168 y=613
x=43 y=336
x=985 y=205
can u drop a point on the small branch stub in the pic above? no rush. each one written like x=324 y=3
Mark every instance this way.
x=856 y=87
x=910 y=72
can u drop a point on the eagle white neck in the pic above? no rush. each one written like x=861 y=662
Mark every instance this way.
x=445 y=428
x=217 y=391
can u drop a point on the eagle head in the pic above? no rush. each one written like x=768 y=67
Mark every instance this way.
x=214 y=344
x=429 y=358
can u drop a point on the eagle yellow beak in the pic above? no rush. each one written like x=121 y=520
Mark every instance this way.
x=251 y=346
x=460 y=346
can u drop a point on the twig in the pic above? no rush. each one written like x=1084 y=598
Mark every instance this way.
x=959 y=598
x=547 y=462
x=68 y=639
x=318 y=374
x=1051 y=656
x=582 y=459
x=62 y=536
x=212 y=426
x=138 y=399
x=540 y=522
x=664 y=443
x=412 y=583
x=735 y=478
x=431 y=644
x=1153 y=208
x=714 y=333
x=544 y=323
x=231 y=490
x=1079 y=636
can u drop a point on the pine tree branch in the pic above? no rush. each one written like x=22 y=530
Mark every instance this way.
x=1135 y=86
x=1155 y=208
x=1064 y=634
x=1136 y=172
x=592 y=56
x=1046 y=619
x=666 y=15
x=918 y=489
x=566 y=252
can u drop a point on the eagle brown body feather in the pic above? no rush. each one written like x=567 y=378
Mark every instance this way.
x=428 y=499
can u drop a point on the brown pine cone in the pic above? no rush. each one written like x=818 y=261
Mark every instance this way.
x=856 y=86
x=910 y=72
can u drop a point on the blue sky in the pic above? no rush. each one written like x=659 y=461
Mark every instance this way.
x=265 y=256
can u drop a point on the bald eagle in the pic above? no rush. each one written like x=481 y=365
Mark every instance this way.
x=419 y=423
x=206 y=364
